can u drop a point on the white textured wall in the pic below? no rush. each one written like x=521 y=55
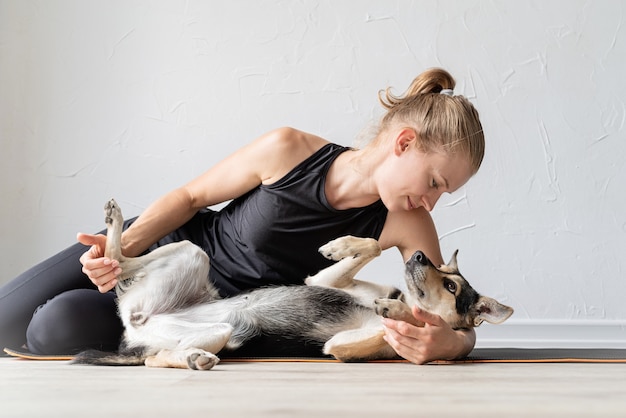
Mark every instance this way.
x=130 y=99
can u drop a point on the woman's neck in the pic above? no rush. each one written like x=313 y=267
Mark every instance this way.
x=350 y=182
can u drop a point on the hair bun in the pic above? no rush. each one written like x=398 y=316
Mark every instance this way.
x=434 y=80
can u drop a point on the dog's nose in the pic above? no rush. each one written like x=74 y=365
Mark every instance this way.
x=420 y=257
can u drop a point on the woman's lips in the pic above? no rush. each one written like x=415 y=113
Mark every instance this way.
x=411 y=204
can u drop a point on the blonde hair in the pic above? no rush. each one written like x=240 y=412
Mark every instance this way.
x=441 y=121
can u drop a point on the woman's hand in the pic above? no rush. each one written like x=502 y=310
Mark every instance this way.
x=435 y=341
x=102 y=271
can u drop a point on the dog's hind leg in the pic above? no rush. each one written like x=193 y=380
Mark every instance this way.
x=131 y=267
x=191 y=358
x=181 y=267
x=190 y=345
x=179 y=331
x=359 y=344
x=114 y=221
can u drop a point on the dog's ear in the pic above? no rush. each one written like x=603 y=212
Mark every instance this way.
x=452 y=264
x=491 y=310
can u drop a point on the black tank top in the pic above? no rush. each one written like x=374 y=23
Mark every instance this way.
x=270 y=236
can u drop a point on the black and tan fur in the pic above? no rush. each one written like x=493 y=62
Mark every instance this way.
x=173 y=316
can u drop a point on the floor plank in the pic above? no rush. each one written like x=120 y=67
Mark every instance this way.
x=57 y=389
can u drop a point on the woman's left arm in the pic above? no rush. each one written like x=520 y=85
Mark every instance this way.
x=435 y=341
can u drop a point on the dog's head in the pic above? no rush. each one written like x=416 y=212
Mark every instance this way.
x=443 y=291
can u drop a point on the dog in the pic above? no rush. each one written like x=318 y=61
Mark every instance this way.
x=174 y=317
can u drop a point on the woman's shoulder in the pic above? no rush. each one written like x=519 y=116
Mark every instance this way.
x=284 y=148
x=287 y=140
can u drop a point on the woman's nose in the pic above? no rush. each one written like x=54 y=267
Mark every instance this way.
x=429 y=201
x=426 y=204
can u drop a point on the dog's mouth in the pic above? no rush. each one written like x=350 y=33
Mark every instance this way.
x=416 y=273
x=418 y=276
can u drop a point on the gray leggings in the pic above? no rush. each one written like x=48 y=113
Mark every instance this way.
x=54 y=309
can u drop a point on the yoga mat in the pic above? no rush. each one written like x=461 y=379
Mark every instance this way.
x=478 y=355
x=545 y=355
x=25 y=354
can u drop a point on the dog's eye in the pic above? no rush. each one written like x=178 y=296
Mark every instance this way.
x=450 y=286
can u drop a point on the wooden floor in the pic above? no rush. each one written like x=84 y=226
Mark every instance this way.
x=57 y=389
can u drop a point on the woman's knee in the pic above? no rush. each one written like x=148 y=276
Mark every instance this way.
x=73 y=321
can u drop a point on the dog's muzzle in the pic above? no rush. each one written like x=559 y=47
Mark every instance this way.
x=416 y=267
x=420 y=257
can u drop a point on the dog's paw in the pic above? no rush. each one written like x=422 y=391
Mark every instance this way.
x=112 y=213
x=201 y=360
x=191 y=358
x=396 y=309
x=350 y=246
x=387 y=308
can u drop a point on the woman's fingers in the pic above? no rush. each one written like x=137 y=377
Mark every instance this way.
x=106 y=287
x=96 y=242
x=102 y=271
x=406 y=341
x=101 y=268
x=435 y=341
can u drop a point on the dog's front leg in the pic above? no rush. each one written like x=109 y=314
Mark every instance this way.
x=351 y=254
x=396 y=309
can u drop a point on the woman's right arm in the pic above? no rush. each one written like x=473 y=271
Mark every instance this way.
x=160 y=218
x=265 y=160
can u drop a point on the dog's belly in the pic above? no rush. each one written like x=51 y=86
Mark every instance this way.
x=310 y=312
x=307 y=312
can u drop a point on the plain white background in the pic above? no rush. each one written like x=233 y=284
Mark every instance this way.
x=129 y=99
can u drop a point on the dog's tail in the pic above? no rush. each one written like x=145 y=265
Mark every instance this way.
x=103 y=358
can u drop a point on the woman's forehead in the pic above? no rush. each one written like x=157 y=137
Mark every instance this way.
x=455 y=168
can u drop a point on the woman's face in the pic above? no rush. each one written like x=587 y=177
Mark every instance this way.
x=416 y=179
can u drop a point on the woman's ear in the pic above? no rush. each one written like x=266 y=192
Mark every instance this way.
x=404 y=140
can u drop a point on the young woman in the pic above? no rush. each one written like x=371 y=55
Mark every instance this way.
x=291 y=192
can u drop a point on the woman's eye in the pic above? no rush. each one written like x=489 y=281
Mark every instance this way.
x=434 y=184
x=450 y=286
